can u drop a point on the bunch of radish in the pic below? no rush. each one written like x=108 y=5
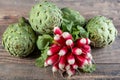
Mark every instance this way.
x=68 y=55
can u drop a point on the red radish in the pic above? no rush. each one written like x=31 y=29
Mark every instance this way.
x=89 y=62
x=71 y=72
x=55 y=67
x=62 y=62
x=71 y=59
x=85 y=63
x=63 y=51
x=53 y=45
x=67 y=67
x=81 y=42
x=66 y=55
x=57 y=30
x=84 y=55
x=52 y=59
x=45 y=64
x=53 y=50
x=66 y=35
x=81 y=61
x=69 y=43
x=88 y=41
x=75 y=66
x=86 y=49
x=89 y=56
x=77 y=51
x=59 y=39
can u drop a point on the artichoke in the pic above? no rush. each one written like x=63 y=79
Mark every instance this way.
x=44 y=17
x=19 y=39
x=101 y=31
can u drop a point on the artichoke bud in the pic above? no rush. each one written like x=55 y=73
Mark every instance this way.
x=102 y=31
x=19 y=39
x=44 y=17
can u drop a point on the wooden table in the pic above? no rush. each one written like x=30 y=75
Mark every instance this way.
x=107 y=59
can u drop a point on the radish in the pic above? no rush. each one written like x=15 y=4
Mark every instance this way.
x=69 y=43
x=81 y=42
x=89 y=56
x=53 y=50
x=88 y=41
x=55 y=67
x=71 y=72
x=52 y=59
x=66 y=35
x=66 y=55
x=45 y=64
x=81 y=61
x=89 y=62
x=62 y=62
x=84 y=63
x=75 y=66
x=59 y=39
x=53 y=45
x=77 y=51
x=86 y=48
x=71 y=59
x=67 y=67
x=63 y=51
x=57 y=30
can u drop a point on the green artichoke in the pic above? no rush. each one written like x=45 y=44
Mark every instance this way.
x=44 y=17
x=19 y=39
x=101 y=31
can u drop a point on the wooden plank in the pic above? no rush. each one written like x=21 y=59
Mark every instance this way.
x=24 y=71
x=16 y=8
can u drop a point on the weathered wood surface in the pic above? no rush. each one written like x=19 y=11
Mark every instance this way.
x=107 y=59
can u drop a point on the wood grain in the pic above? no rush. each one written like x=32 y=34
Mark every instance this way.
x=108 y=8
x=23 y=71
x=107 y=59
